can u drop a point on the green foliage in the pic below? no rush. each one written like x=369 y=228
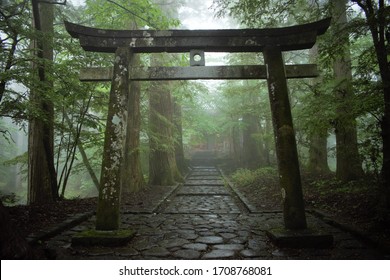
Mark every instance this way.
x=215 y=110
x=245 y=177
x=85 y=104
x=268 y=13
x=9 y=199
x=314 y=103
x=120 y=14
x=370 y=145
x=200 y=117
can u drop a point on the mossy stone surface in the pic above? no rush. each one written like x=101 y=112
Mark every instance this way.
x=103 y=237
x=306 y=238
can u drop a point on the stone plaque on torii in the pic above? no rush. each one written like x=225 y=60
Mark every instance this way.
x=271 y=42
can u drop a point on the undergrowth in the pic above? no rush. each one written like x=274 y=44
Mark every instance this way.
x=245 y=177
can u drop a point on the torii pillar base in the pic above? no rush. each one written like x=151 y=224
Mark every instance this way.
x=108 y=238
x=306 y=238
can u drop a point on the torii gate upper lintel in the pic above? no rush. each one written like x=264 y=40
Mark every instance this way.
x=271 y=42
x=296 y=37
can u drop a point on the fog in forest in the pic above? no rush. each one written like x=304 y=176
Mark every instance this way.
x=207 y=98
x=195 y=130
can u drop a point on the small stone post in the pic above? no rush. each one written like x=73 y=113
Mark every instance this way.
x=286 y=149
x=111 y=180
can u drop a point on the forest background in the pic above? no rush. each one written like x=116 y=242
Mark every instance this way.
x=52 y=125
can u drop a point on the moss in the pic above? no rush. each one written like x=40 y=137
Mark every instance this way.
x=103 y=238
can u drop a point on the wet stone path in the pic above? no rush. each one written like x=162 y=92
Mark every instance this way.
x=203 y=192
x=204 y=219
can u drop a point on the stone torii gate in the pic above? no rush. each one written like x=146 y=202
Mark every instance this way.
x=271 y=42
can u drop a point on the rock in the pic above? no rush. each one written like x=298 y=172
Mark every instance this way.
x=126 y=252
x=235 y=247
x=196 y=246
x=219 y=254
x=252 y=253
x=256 y=244
x=156 y=252
x=170 y=243
x=210 y=240
x=227 y=235
x=187 y=254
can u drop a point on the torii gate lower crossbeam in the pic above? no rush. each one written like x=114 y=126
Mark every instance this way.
x=272 y=42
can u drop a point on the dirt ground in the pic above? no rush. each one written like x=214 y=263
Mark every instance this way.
x=355 y=205
x=32 y=218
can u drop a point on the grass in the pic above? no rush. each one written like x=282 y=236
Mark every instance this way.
x=245 y=177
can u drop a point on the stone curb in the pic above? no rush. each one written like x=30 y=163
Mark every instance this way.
x=242 y=198
x=158 y=204
x=168 y=194
x=52 y=231
x=376 y=243
x=161 y=201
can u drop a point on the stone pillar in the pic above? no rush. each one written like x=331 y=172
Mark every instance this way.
x=108 y=217
x=286 y=149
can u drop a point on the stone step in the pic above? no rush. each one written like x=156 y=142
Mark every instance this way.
x=206 y=177
x=201 y=182
x=202 y=190
x=205 y=173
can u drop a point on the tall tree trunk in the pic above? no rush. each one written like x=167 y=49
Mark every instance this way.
x=179 y=149
x=162 y=163
x=318 y=152
x=133 y=176
x=251 y=157
x=42 y=181
x=349 y=164
x=236 y=147
x=267 y=138
x=8 y=63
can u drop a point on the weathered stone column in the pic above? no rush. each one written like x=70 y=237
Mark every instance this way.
x=111 y=180
x=286 y=149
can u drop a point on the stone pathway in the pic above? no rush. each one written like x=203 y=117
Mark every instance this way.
x=204 y=219
x=203 y=192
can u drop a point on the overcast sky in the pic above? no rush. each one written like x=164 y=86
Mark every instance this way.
x=195 y=15
x=199 y=15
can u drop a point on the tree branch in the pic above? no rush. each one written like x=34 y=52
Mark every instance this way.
x=53 y=2
x=134 y=14
x=9 y=64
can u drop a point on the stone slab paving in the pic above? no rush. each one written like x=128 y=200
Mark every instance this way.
x=203 y=182
x=205 y=173
x=195 y=223
x=211 y=177
x=209 y=236
x=202 y=204
x=202 y=194
x=199 y=190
